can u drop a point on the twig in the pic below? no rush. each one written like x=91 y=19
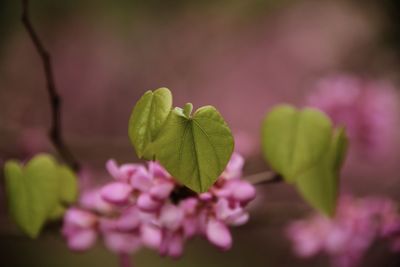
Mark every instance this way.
x=267 y=177
x=55 y=132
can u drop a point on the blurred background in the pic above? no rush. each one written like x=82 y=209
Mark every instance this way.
x=241 y=56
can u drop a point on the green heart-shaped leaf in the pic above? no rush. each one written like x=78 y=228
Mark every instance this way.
x=68 y=185
x=32 y=192
x=195 y=149
x=38 y=191
x=148 y=116
x=303 y=147
x=319 y=184
x=293 y=140
x=57 y=212
x=339 y=148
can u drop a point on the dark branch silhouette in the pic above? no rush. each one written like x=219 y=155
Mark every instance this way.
x=55 y=132
x=267 y=177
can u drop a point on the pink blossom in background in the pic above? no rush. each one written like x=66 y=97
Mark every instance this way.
x=368 y=109
x=147 y=207
x=32 y=141
x=347 y=236
x=241 y=70
x=246 y=144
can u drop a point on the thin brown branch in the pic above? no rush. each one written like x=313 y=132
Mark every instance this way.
x=55 y=132
x=267 y=177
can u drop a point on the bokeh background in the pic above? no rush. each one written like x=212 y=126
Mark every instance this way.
x=240 y=56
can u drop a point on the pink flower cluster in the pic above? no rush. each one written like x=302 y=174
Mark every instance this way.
x=147 y=207
x=347 y=236
x=368 y=109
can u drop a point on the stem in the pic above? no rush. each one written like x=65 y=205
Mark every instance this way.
x=55 y=133
x=125 y=260
x=267 y=177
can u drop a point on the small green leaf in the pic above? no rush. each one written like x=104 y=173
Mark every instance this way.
x=187 y=110
x=68 y=185
x=293 y=140
x=32 y=192
x=195 y=150
x=57 y=212
x=148 y=116
x=319 y=184
x=340 y=145
x=38 y=191
x=303 y=147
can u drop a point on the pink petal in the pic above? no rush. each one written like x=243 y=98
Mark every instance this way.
x=124 y=172
x=122 y=242
x=202 y=221
x=219 y=234
x=225 y=191
x=141 y=180
x=148 y=216
x=129 y=170
x=79 y=218
x=162 y=190
x=306 y=242
x=243 y=191
x=175 y=246
x=234 y=168
x=113 y=169
x=151 y=236
x=189 y=205
x=190 y=227
x=171 y=217
x=129 y=220
x=225 y=212
x=116 y=193
x=107 y=224
x=163 y=248
x=82 y=240
x=92 y=200
x=207 y=196
x=240 y=220
x=337 y=239
x=156 y=170
x=146 y=203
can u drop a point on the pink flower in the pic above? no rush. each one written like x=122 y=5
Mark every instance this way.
x=368 y=109
x=142 y=181
x=146 y=207
x=92 y=200
x=79 y=229
x=171 y=217
x=80 y=218
x=172 y=245
x=122 y=242
x=234 y=167
x=82 y=240
x=116 y=193
x=156 y=170
x=232 y=215
x=123 y=173
x=151 y=236
x=347 y=236
x=129 y=219
x=218 y=234
x=146 y=203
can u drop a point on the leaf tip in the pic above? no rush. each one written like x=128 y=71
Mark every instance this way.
x=187 y=110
